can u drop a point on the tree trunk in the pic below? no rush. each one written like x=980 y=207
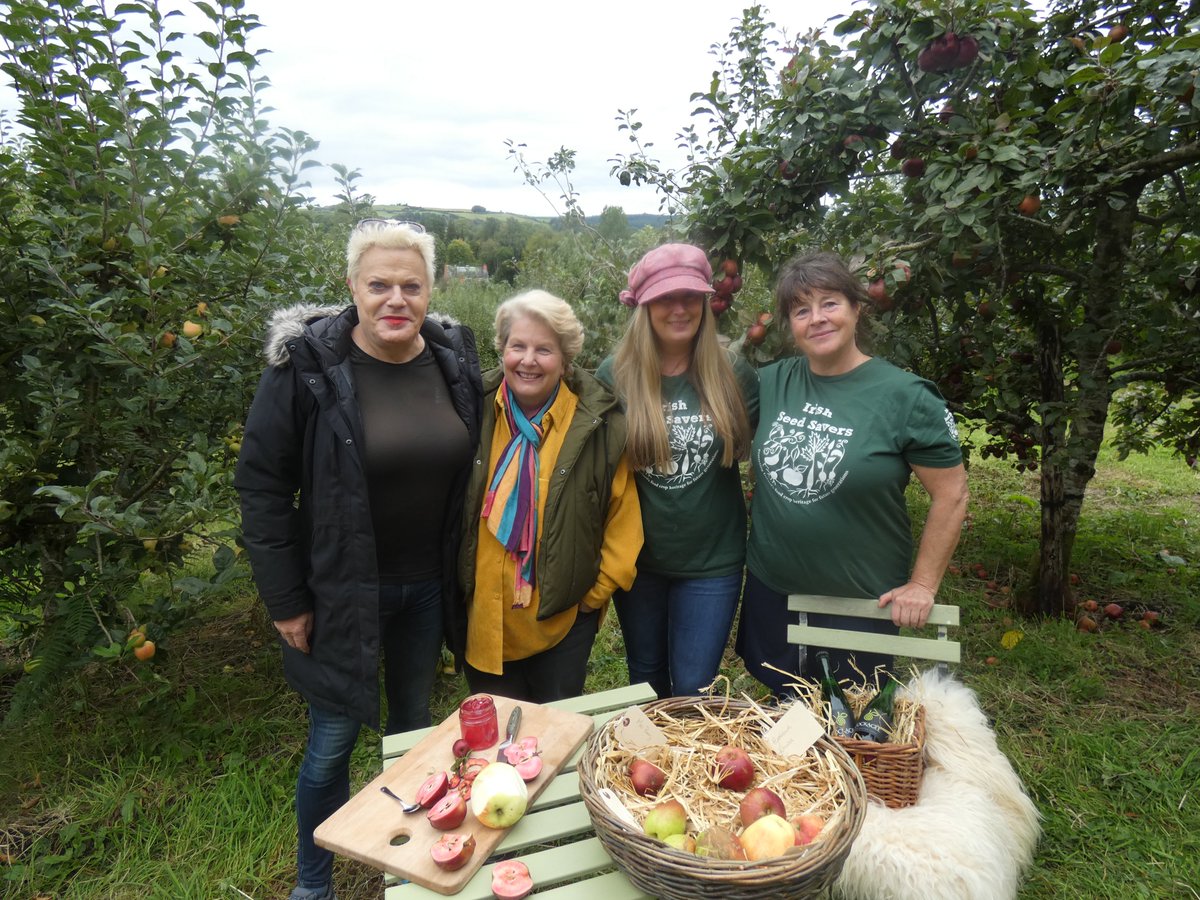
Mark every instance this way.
x=1073 y=428
x=1050 y=588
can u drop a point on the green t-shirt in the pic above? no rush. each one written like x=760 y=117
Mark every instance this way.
x=831 y=458
x=694 y=518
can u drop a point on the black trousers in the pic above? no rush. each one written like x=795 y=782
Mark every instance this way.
x=553 y=674
x=762 y=638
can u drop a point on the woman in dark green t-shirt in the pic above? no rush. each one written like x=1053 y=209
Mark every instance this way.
x=840 y=434
x=689 y=406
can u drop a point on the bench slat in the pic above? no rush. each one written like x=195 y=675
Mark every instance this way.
x=890 y=644
x=547 y=867
x=941 y=614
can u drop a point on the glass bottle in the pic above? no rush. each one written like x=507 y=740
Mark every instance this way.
x=840 y=713
x=477 y=721
x=875 y=723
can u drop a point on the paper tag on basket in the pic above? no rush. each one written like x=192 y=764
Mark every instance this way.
x=633 y=730
x=617 y=808
x=793 y=734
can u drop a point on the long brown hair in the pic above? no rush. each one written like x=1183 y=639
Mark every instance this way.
x=637 y=373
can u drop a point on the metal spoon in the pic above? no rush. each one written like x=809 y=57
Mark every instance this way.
x=408 y=807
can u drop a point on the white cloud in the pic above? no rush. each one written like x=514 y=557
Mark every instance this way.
x=420 y=98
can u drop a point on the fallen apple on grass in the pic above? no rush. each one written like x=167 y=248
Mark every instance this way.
x=511 y=880
x=451 y=851
x=768 y=837
x=498 y=796
x=759 y=802
x=666 y=819
x=734 y=768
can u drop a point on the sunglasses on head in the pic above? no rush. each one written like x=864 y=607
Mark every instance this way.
x=394 y=223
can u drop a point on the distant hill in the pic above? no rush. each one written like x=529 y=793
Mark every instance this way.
x=636 y=220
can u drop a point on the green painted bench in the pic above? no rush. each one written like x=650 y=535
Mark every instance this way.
x=555 y=838
x=940 y=649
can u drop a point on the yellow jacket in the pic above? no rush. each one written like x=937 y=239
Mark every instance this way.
x=497 y=632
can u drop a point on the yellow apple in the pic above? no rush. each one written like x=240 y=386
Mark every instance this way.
x=767 y=837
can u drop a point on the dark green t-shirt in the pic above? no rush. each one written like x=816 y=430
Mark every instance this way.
x=694 y=518
x=832 y=458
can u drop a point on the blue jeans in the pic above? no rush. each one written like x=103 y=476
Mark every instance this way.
x=676 y=629
x=410 y=626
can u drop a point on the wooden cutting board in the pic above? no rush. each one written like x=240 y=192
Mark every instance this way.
x=372 y=828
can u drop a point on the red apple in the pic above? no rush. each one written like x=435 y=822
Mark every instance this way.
x=510 y=880
x=756 y=334
x=1114 y=610
x=759 y=802
x=1150 y=616
x=1118 y=33
x=461 y=749
x=451 y=851
x=719 y=304
x=730 y=267
x=1029 y=204
x=913 y=167
x=734 y=768
x=647 y=778
x=807 y=827
x=433 y=789
x=449 y=812
x=1086 y=623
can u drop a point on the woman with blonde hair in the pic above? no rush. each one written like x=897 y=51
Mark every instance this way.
x=352 y=474
x=690 y=407
x=553 y=526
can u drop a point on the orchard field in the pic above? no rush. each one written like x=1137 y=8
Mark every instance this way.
x=1037 y=261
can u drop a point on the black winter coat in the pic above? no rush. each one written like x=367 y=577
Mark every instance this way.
x=302 y=437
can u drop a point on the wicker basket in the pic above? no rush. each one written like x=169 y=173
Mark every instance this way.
x=892 y=772
x=658 y=870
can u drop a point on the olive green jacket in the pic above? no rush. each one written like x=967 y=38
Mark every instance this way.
x=573 y=525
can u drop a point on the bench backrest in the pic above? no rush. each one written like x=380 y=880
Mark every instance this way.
x=939 y=649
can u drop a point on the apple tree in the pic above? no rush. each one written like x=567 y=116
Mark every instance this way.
x=149 y=219
x=1018 y=186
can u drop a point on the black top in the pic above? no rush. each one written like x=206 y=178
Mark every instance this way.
x=415 y=445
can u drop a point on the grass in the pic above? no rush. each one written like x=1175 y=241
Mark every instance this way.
x=179 y=785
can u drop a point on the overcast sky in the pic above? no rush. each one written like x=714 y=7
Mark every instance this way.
x=420 y=97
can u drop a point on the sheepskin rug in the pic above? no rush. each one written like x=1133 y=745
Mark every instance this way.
x=973 y=830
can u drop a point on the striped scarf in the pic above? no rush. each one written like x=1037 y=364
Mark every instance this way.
x=511 y=504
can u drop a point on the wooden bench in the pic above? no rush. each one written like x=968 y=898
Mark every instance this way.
x=940 y=649
x=555 y=838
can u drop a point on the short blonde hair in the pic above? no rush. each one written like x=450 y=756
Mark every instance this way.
x=390 y=236
x=553 y=312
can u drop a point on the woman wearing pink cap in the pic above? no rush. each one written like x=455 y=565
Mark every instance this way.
x=690 y=407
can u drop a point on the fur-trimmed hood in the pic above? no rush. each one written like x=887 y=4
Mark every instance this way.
x=290 y=323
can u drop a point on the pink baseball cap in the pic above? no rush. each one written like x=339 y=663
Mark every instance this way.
x=671 y=267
